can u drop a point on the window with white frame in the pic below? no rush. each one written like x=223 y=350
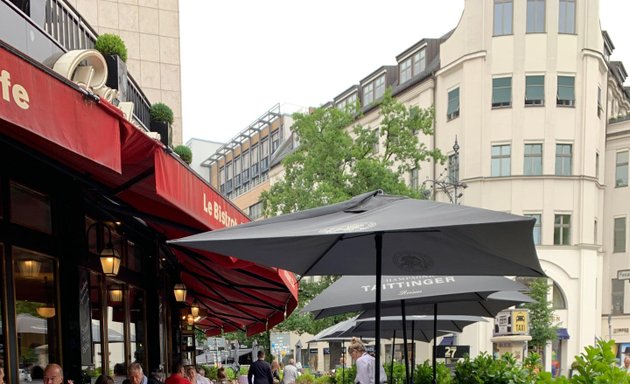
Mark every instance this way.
x=501 y=92
x=535 y=16
x=600 y=109
x=412 y=66
x=537 y=231
x=501 y=160
x=452 y=110
x=275 y=140
x=502 y=17
x=566 y=16
x=374 y=90
x=348 y=104
x=566 y=91
x=621 y=169
x=256 y=211
x=535 y=90
x=532 y=163
x=564 y=157
x=562 y=229
x=619 y=235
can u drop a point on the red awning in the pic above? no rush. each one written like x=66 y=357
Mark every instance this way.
x=51 y=116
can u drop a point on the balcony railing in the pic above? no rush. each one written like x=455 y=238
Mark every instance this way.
x=46 y=29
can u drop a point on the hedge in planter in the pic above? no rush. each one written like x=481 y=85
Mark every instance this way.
x=115 y=53
x=161 y=120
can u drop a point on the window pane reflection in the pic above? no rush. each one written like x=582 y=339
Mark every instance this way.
x=96 y=315
x=137 y=325
x=116 y=330
x=36 y=312
x=2 y=321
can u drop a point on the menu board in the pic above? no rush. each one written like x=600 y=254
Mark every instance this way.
x=85 y=319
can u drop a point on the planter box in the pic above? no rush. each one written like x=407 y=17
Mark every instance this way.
x=117 y=75
x=165 y=131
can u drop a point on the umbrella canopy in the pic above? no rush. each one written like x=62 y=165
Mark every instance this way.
x=490 y=307
x=356 y=294
x=418 y=237
x=423 y=325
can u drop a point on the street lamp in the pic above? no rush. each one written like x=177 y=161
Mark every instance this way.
x=448 y=181
x=179 y=290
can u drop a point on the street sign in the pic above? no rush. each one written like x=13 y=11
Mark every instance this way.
x=623 y=274
x=452 y=351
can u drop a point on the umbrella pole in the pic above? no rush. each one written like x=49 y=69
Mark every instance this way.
x=378 y=243
x=391 y=369
x=343 y=362
x=405 y=354
x=435 y=309
x=413 y=350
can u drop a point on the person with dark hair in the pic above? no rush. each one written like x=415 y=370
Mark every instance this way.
x=260 y=371
x=177 y=375
x=104 y=379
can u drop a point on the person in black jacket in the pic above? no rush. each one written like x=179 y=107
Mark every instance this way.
x=260 y=370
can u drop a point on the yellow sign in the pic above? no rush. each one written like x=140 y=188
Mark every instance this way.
x=519 y=322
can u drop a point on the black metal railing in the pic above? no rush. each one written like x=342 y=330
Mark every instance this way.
x=46 y=29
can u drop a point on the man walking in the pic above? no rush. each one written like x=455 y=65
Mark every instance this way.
x=260 y=370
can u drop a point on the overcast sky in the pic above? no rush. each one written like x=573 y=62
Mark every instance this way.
x=241 y=57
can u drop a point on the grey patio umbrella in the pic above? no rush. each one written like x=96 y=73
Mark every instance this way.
x=376 y=234
x=468 y=295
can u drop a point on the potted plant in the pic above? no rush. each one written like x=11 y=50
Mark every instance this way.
x=161 y=120
x=184 y=153
x=115 y=52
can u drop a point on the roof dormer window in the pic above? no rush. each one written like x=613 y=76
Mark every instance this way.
x=374 y=90
x=412 y=66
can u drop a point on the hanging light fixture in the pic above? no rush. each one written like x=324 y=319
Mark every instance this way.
x=110 y=258
x=115 y=294
x=194 y=308
x=30 y=268
x=47 y=310
x=179 y=290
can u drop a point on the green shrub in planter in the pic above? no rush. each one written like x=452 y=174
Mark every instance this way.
x=161 y=112
x=110 y=44
x=184 y=153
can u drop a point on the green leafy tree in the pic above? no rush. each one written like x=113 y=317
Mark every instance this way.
x=338 y=158
x=541 y=327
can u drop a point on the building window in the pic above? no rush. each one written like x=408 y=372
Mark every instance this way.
x=600 y=109
x=275 y=141
x=348 y=104
x=621 y=169
x=535 y=16
x=414 y=179
x=534 y=90
x=374 y=90
x=500 y=160
x=502 y=17
x=412 y=66
x=452 y=110
x=537 y=231
x=377 y=138
x=532 y=165
x=501 y=92
x=619 y=235
x=30 y=208
x=597 y=165
x=563 y=159
x=566 y=91
x=368 y=94
x=617 y=291
x=566 y=18
x=453 y=168
x=255 y=211
x=562 y=230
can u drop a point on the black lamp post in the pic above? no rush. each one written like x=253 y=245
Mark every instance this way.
x=448 y=182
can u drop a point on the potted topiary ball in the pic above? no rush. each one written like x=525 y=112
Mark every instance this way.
x=113 y=48
x=184 y=153
x=161 y=120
